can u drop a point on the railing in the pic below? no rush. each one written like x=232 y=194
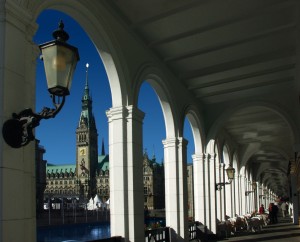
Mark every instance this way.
x=192 y=231
x=199 y=232
x=112 y=239
x=161 y=234
x=157 y=235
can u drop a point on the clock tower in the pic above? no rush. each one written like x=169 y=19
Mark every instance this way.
x=86 y=144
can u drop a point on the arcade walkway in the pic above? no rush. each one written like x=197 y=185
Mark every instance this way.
x=285 y=230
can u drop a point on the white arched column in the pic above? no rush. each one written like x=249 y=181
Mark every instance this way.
x=183 y=193
x=237 y=195
x=247 y=198
x=199 y=187
x=229 y=202
x=243 y=198
x=176 y=187
x=211 y=209
x=126 y=173
x=219 y=200
x=17 y=91
x=223 y=191
x=207 y=190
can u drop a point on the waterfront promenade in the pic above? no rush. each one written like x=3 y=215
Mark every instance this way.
x=283 y=231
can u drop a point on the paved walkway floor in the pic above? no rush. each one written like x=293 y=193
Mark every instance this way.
x=284 y=230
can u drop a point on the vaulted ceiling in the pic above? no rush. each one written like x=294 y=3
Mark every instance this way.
x=227 y=53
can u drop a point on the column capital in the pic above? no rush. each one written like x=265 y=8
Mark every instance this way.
x=210 y=156
x=175 y=141
x=198 y=157
x=169 y=142
x=182 y=141
x=115 y=113
x=135 y=113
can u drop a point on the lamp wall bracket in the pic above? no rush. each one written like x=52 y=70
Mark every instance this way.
x=248 y=192
x=18 y=131
x=220 y=185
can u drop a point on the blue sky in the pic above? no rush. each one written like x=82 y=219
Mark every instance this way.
x=58 y=135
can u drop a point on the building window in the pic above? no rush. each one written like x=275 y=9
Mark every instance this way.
x=145 y=190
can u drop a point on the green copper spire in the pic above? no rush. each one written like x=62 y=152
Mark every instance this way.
x=87 y=113
x=86 y=95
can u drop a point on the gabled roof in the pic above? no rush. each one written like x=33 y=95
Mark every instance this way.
x=65 y=167
x=103 y=162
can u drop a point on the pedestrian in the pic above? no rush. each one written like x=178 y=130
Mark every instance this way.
x=275 y=212
x=271 y=214
x=261 y=209
x=283 y=209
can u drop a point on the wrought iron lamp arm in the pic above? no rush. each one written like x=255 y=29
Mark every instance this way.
x=47 y=113
x=18 y=131
x=221 y=184
x=248 y=192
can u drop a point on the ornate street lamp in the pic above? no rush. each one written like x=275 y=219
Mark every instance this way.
x=60 y=61
x=254 y=186
x=261 y=196
x=230 y=171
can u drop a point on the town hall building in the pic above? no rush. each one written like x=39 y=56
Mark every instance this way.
x=90 y=174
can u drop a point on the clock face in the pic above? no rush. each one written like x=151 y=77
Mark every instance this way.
x=82 y=151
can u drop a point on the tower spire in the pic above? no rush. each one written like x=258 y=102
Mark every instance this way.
x=102 y=150
x=87 y=77
x=86 y=95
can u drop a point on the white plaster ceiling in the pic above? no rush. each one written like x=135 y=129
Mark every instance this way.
x=227 y=53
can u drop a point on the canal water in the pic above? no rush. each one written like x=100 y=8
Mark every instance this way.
x=82 y=232
x=74 y=232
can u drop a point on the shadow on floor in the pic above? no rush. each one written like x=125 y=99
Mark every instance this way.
x=282 y=230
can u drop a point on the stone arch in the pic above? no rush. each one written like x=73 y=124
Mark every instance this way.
x=235 y=163
x=195 y=122
x=211 y=147
x=151 y=74
x=215 y=127
x=105 y=43
x=243 y=171
x=226 y=155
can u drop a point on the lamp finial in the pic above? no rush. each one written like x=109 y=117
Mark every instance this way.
x=60 y=34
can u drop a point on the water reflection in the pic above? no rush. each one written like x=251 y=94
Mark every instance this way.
x=84 y=232
x=78 y=232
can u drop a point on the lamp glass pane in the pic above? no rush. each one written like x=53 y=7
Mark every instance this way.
x=60 y=63
x=230 y=173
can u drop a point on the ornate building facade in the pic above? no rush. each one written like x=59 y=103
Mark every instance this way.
x=153 y=183
x=90 y=174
